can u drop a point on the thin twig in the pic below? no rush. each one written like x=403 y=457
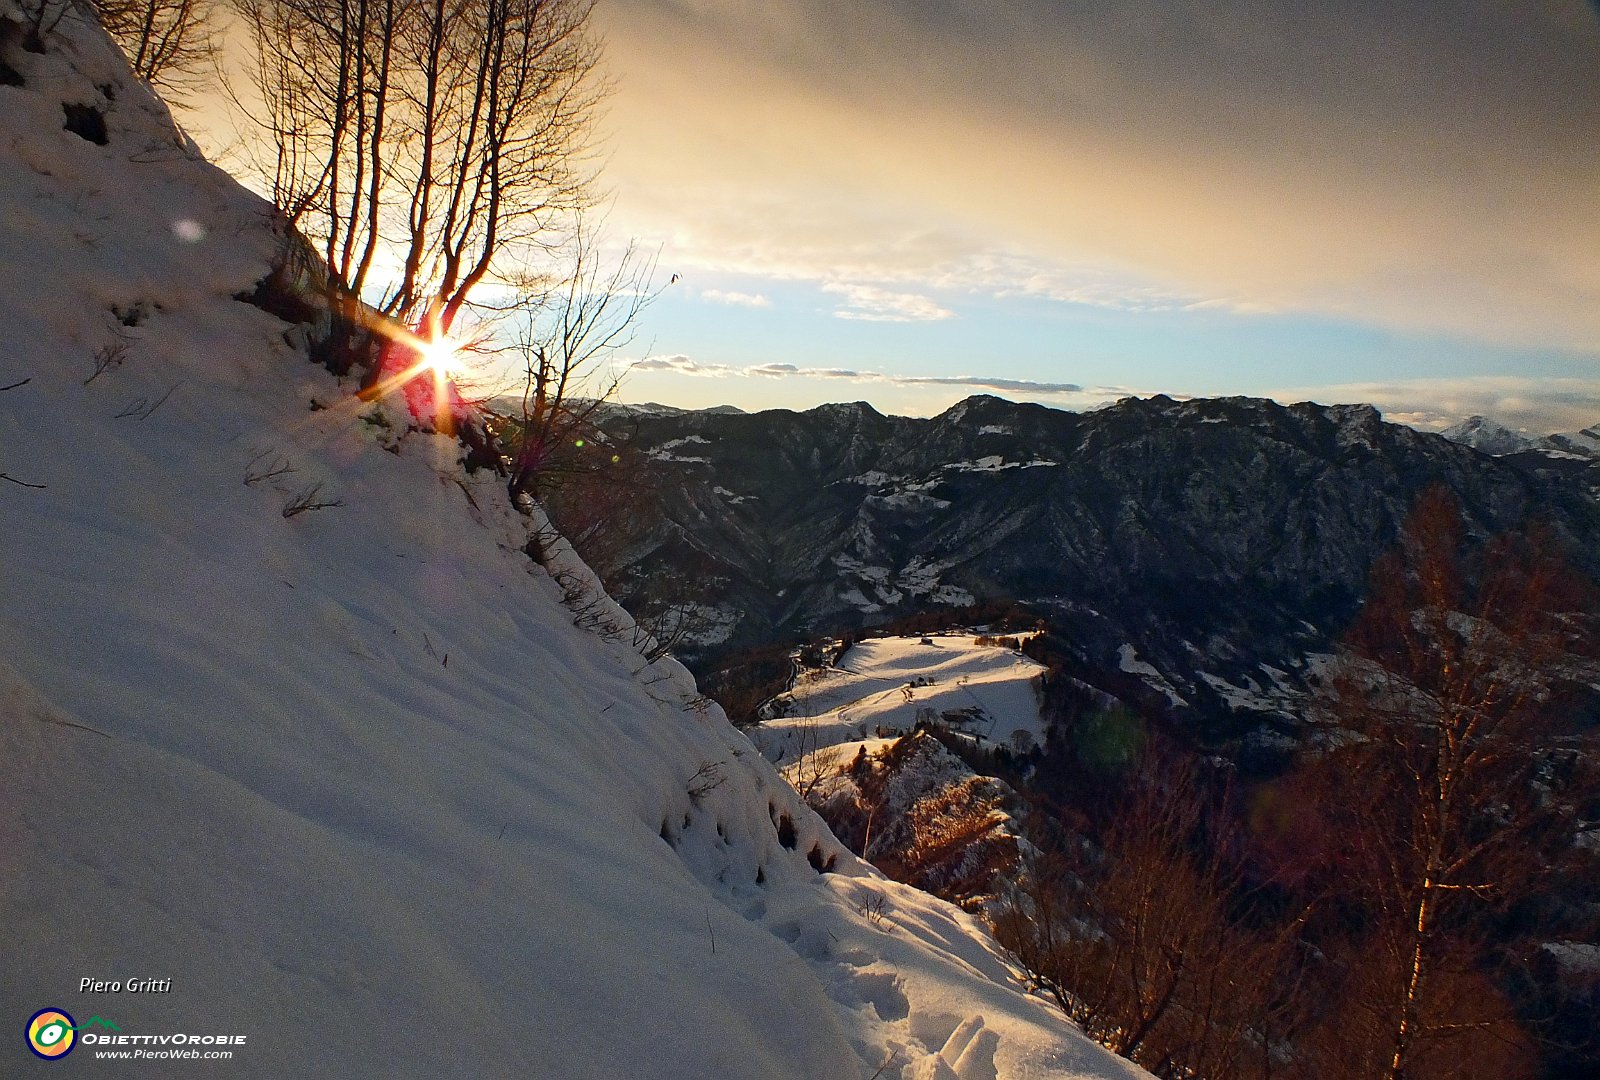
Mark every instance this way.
x=307 y=500
x=162 y=400
x=886 y=1063
x=14 y=385
x=707 y=779
x=71 y=724
x=22 y=483
x=279 y=467
x=106 y=357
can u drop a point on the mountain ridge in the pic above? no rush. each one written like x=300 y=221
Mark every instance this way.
x=1214 y=536
x=1497 y=440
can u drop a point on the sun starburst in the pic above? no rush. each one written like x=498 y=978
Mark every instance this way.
x=437 y=355
x=441 y=355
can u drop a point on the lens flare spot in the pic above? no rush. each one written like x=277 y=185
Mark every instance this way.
x=442 y=356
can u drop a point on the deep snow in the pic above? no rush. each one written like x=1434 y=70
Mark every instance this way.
x=353 y=780
x=884 y=685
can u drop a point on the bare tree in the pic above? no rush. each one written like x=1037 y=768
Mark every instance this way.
x=426 y=146
x=568 y=332
x=1448 y=704
x=1148 y=940
x=170 y=43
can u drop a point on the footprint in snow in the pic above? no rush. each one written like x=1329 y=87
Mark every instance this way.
x=968 y=1054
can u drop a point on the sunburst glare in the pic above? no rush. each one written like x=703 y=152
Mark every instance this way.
x=442 y=356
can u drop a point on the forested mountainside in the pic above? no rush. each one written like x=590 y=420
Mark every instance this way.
x=1208 y=546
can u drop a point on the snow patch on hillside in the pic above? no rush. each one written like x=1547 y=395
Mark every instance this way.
x=1128 y=660
x=909 y=501
x=886 y=685
x=921 y=578
x=996 y=463
x=733 y=497
x=664 y=452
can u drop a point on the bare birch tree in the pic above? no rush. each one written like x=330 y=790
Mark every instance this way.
x=427 y=146
x=1452 y=690
x=1147 y=940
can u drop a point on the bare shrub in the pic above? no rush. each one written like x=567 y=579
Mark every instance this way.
x=309 y=499
x=107 y=357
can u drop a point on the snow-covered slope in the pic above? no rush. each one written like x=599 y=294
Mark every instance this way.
x=903 y=800
x=350 y=781
x=885 y=685
x=1585 y=442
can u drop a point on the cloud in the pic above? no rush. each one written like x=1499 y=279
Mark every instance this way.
x=684 y=365
x=738 y=299
x=1016 y=386
x=1369 y=162
x=869 y=303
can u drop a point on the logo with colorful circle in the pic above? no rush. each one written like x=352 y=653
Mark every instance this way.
x=51 y=1034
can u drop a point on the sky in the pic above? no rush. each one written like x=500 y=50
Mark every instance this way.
x=910 y=201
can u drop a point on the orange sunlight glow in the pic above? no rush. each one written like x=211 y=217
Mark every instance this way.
x=427 y=379
x=441 y=356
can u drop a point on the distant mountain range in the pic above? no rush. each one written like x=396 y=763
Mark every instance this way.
x=1207 y=547
x=1493 y=437
x=651 y=408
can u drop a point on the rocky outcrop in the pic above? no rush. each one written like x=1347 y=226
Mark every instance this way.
x=918 y=813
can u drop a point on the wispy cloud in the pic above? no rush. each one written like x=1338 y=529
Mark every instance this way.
x=1005 y=274
x=685 y=365
x=869 y=303
x=737 y=299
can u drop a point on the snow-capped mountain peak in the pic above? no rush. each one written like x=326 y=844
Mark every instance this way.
x=1490 y=436
x=1496 y=439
